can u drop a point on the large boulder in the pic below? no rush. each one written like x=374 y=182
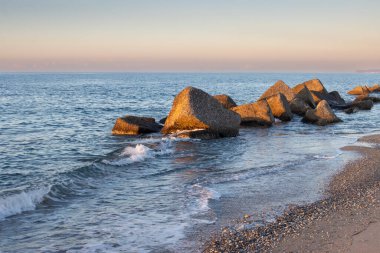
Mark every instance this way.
x=337 y=97
x=302 y=92
x=299 y=106
x=359 y=90
x=194 y=109
x=359 y=104
x=280 y=107
x=313 y=85
x=133 y=125
x=334 y=99
x=278 y=87
x=226 y=101
x=321 y=115
x=258 y=113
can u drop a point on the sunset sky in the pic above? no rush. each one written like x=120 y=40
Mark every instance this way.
x=196 y=35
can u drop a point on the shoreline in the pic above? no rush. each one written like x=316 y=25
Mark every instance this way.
x=347 y=218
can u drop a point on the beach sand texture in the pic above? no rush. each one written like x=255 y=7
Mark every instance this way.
x=346 y=220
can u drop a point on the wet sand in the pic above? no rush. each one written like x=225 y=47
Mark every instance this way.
x=346 y=220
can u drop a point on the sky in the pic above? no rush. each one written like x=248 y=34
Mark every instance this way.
x=191 y=35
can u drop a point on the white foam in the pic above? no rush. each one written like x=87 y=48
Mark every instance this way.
x=140 y=153
x=21 y=202
x=276 y=120
x=327 y=156
x=204 y=195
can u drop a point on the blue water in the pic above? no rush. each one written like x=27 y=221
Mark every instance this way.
x=67 y=184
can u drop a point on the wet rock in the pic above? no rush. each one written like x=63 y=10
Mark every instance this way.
x=133 y=125
x=194 y=109
x=258 y=113
x=302 y=92
x=299 y=106
x=363 y=104
x=280 y=107
x=351 y=110
x=197 y=134
x=359 y=90
x=226 y=101
x=321 y=115
x=279 y=87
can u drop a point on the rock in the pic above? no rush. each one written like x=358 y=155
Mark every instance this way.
x=335 y=101
x=302 y=92
x=374 y=88
x=366 y=97
x=226 y=101
x=359 y=90
x=337 y=97
x=314 y=85
x=197 y=134
x=318 y=97
x=258 y=113
x=133 y=125
x=363 y=105
x=321 y=115
x=362 y=98
x=280 y=107
x=299 y=106
x=362 y=102
x=279 y=87
x=194 y=109
x=374 y=99
x=351 y=110
x=163 y=120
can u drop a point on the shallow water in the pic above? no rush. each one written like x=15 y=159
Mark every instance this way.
x=67 y=184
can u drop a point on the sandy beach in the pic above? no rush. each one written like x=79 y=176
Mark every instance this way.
x=345 y=220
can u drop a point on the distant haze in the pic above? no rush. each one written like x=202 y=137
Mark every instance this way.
x=197 y=35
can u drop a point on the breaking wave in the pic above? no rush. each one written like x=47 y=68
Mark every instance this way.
x=139 y=153
x=21 y=202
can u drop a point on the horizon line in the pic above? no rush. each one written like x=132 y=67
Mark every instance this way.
x=190 y=72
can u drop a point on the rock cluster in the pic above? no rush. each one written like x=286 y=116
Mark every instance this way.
x=196 y=114
x=364 y=90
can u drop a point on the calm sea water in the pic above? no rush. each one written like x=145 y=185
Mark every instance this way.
x=67 y=184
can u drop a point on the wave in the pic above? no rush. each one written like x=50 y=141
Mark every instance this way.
x=139 y=153
x=328 y=156
x=203 y=195
x=21 y=202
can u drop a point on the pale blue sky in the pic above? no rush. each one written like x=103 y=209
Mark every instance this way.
x=213 y=35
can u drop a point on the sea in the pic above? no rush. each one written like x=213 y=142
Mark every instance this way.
x=68 y=185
